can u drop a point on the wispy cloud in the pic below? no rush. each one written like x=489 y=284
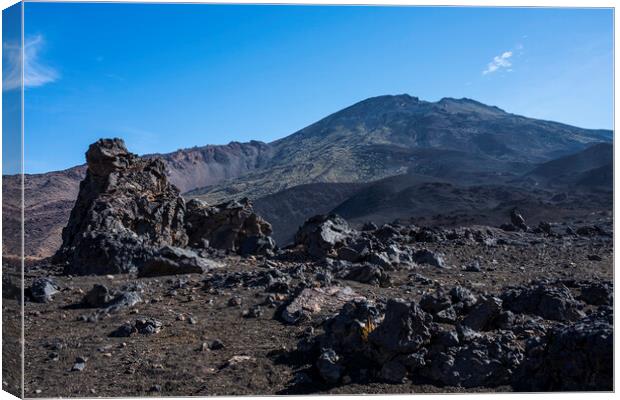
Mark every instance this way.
x=36 y=73
x=500 y=61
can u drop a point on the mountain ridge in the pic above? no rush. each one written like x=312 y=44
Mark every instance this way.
x=373 y=139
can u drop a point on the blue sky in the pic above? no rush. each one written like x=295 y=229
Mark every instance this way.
x=165 y=77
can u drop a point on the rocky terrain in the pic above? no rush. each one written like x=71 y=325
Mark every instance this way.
x=152 y=294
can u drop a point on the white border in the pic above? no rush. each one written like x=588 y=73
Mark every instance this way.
x=494 y=3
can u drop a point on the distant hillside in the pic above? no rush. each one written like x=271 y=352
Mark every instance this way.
x=590 y=167
x=388 y=135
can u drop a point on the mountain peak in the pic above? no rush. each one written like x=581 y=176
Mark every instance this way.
x=465 y=104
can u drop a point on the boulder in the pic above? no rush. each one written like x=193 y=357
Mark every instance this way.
x=312 y=300
x=347 y=332
x=569 y=358
x=425 y=256
x=405 y=329
x=328 y=366
x=231 y=226
x=125 y=208
x=485 y=315
x=42 y=290
x=489 y=361
x=101 y=297
x=597 y=293
x=174 y=261
x=367 y=273
x=322 y=234
x=97 y=297
x=517 y=220
x=545 y=300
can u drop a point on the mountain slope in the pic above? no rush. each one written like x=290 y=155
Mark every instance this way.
x=590 y=167
x=383 y=136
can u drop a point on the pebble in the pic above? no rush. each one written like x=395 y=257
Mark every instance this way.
x=79 y=365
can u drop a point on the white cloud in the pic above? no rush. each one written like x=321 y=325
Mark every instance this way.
x=35 y=72
x=501 y=61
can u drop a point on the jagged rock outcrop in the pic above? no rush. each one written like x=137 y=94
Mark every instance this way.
x=230 y=226
x=125 y=208
x=128 y=217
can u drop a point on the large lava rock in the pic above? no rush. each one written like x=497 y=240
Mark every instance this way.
x=574 y=357
x=229 y=226
x=322 y=234
x=550 y=302
x=125 y=209
x=404 y=330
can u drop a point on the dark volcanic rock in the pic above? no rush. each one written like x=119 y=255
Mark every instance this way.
x=174 y=261
x=485 y=315
x=312 y=300
x=97 y=297
x=229 y=226
x=367 y=273
x=322 y=233
x=490 y=347
x=550 y=302
x=125 y=208
x=101 y=297
x=517 y=219
x=345 y=332
x=597 y=293
x=42 y=290
x=404 y=330
x=123 y=300
x=574 y=357
x=144 y=326
x=147 y=326
x=428 y=257
x=489 y=361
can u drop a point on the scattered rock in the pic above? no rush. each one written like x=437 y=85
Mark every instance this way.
x=42 y=290
x=405 y=329
x=312 y=300
x=253 y=312
x=175 y=261
x=79 y=365
x=367 y=273
x=518 y=220
x=484 y=316
x=97 y=297
x=473 y=266
x=328 y=366
x=216 y=345
x=597 y=293
x=425 y=256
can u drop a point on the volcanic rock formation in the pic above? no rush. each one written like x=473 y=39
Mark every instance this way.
x=124 y=208
x=127 y=210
